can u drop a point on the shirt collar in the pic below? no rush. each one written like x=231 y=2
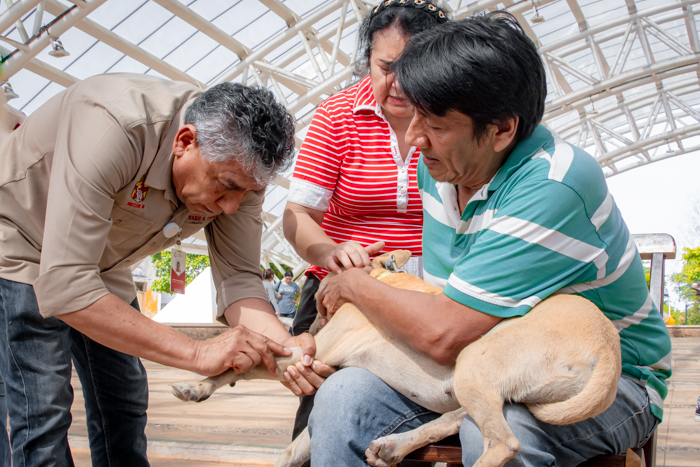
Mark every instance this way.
x=364 y=98
x=522 y=152
x=160 y=174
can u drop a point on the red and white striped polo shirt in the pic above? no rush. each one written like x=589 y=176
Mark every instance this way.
x=350 y=167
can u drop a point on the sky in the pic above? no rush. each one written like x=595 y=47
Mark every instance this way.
x=658 y=198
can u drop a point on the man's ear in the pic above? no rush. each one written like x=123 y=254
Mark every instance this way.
x=504 y=133
x=185 y=137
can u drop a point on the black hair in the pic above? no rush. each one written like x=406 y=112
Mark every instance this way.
x=409 y=16
x=247 y=124
x=484 y=67
x=289 y=273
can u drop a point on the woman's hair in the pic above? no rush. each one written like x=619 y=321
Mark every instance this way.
x=288 y=273
x=409 y=16
x=268 y=274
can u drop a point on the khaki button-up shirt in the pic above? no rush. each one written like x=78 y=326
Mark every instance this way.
x=86 y=189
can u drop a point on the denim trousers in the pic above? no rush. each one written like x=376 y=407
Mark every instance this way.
x=35 y=363
x=354 y=407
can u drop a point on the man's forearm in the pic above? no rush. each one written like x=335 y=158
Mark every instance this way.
x=432 y=324
x=257 y=315
x=116 y=325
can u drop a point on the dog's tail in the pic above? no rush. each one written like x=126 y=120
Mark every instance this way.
x=596 y=396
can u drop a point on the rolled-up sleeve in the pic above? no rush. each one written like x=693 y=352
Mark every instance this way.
x=234 y=252
x=93 y=158
x=318 y=163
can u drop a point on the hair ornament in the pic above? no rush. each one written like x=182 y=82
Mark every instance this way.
x=424 y=5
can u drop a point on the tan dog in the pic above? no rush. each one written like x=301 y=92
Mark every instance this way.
x=562 y=359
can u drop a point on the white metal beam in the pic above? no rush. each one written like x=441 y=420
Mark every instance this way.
x=21 y=58
x=128 y=48
x=15 y=13
x=205 y=26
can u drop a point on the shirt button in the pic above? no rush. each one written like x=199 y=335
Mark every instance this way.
x=402 y=190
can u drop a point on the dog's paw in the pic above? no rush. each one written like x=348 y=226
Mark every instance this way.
x=189 y=392
x=382 y=452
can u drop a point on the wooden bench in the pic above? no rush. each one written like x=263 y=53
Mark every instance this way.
x=654 y=247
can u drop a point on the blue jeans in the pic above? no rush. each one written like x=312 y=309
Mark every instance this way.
x=354 y=407
x=35 y=363
x=4 y=440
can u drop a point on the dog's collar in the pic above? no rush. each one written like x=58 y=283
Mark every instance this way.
x=383 y=275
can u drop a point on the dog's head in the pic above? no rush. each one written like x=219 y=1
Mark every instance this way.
x=378 y=265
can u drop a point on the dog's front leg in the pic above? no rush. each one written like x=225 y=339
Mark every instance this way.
x=202 y=390
x=296 y=453
x=390 y=450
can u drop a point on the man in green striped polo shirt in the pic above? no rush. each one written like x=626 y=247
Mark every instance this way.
x=513 y=215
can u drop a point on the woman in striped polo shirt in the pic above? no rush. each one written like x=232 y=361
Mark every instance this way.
x=354 y=192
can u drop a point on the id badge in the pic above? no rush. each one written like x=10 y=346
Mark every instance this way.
x=178 y=268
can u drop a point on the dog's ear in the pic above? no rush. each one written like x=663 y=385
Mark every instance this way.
x=402 y=257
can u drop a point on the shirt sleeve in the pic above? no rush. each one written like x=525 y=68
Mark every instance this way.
x=93 y=159
x=234 y=254
x=538 y=240
x=318 y=164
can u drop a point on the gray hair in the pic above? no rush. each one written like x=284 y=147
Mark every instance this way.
x=245 y=124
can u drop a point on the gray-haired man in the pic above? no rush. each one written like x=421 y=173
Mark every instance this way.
x=88 y=184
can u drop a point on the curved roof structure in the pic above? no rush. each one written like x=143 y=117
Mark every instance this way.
x=623 y=75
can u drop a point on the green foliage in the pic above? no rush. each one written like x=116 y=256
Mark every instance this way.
x=682 y=281
x=647 y=272
x=161 y=263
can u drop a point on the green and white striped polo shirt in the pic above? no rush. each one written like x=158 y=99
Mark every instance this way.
x=546 y=224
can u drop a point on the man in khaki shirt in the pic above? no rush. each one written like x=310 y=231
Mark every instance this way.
x=87 y=184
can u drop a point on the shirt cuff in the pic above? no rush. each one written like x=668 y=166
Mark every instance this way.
x=309 y=194
x=235 y=288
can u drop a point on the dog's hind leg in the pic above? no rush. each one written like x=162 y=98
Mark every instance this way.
x=485 y=406
x=296 y=453
x=391 y=449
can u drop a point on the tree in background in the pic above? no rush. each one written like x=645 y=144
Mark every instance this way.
x=683 y=280
x=161 y=263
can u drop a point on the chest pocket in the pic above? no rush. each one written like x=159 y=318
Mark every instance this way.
x=126 y=225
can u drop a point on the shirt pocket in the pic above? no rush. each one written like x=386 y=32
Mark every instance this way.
x=126 y=225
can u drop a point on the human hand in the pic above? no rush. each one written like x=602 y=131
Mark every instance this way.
x=350 y=255
x=338 y=290
x=239 y=349
x=306 y=376
x=279 y=296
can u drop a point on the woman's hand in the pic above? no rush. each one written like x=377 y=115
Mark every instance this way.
x=279 y=296
x=308 y=375
x=350 y=255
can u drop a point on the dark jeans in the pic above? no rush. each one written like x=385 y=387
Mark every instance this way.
x=4 y=441
x=35 y=363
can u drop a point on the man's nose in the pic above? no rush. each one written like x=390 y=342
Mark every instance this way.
x=415 y=136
